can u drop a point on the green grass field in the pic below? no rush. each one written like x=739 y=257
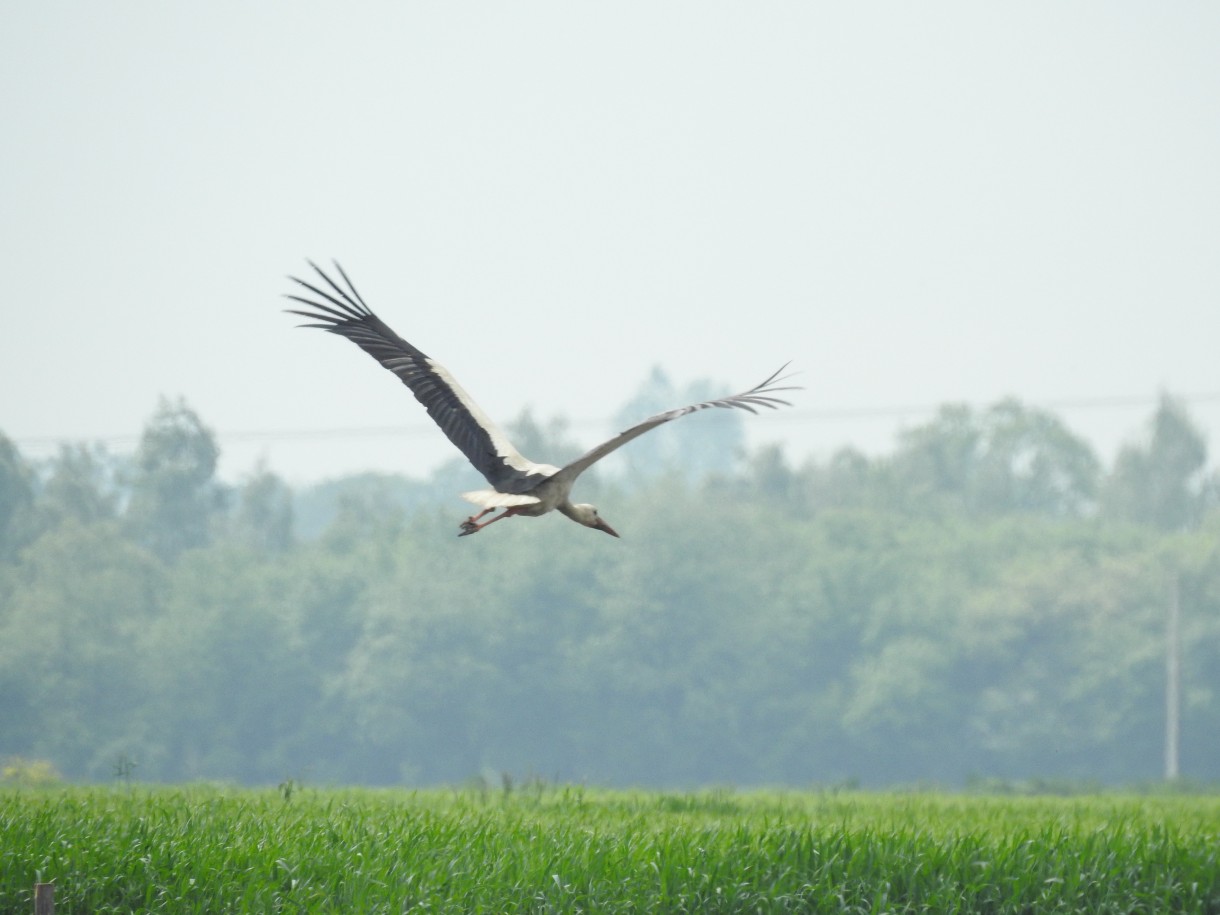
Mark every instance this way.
x=556 y=849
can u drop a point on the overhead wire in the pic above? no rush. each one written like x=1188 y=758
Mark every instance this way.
x=801 y=415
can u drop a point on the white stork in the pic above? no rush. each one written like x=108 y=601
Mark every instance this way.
x=519 y=486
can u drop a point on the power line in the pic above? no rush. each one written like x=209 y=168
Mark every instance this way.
x=1068 y=403
x=799 y=416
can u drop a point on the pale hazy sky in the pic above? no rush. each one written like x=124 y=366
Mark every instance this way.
x=915 y=203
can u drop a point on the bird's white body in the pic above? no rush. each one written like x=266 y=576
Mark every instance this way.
x=552 y=494
x=519 y=486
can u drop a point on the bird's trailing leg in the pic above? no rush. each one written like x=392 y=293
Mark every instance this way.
x=469 y=526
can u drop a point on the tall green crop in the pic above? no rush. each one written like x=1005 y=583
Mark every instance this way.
x=576 y=850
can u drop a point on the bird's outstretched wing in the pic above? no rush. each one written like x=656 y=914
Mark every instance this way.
x=761 y=395
x=341 y=311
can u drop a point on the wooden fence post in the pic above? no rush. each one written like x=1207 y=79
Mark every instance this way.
x=44 y=899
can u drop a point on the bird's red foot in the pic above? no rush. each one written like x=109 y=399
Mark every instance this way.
x=469 y=526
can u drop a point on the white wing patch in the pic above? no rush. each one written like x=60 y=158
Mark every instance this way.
x=489 y=498
x=504 y=448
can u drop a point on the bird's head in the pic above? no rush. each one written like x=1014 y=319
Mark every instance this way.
x=587 y=515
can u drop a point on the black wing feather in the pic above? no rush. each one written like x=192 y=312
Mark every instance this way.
x=342 y=311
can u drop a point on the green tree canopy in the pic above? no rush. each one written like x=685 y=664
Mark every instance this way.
x=1007 y=458
x=16 y=499
x=1162 y=481
x=175 y=498
x=954 y=608
x=264 y=513
x=81 y=486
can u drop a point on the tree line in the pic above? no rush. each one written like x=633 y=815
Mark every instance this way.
x=987 y=600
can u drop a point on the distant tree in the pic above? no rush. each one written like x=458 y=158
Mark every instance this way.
x=235 y=688
x=1010 y=458
x=940 y=457
x=1197 y=561
x=1162 y=481
x=315 y=507
x=367 y=509
x=942 y=601
x=16 y=499
x=770 y=475
x=264 y=513
x=175 y=498
x=72 y=641
x=849 y=478
x=1065 y=654
x=80 y=486
x=1032 y=462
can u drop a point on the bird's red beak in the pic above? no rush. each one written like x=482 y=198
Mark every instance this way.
x=603 y=526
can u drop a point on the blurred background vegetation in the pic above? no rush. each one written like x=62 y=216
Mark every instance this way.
x=986 y=601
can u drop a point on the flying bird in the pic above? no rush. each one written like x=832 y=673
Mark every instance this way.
x=519 y=486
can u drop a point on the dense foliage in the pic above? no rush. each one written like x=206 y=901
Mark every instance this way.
x=573 y=850
x=986 y=601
